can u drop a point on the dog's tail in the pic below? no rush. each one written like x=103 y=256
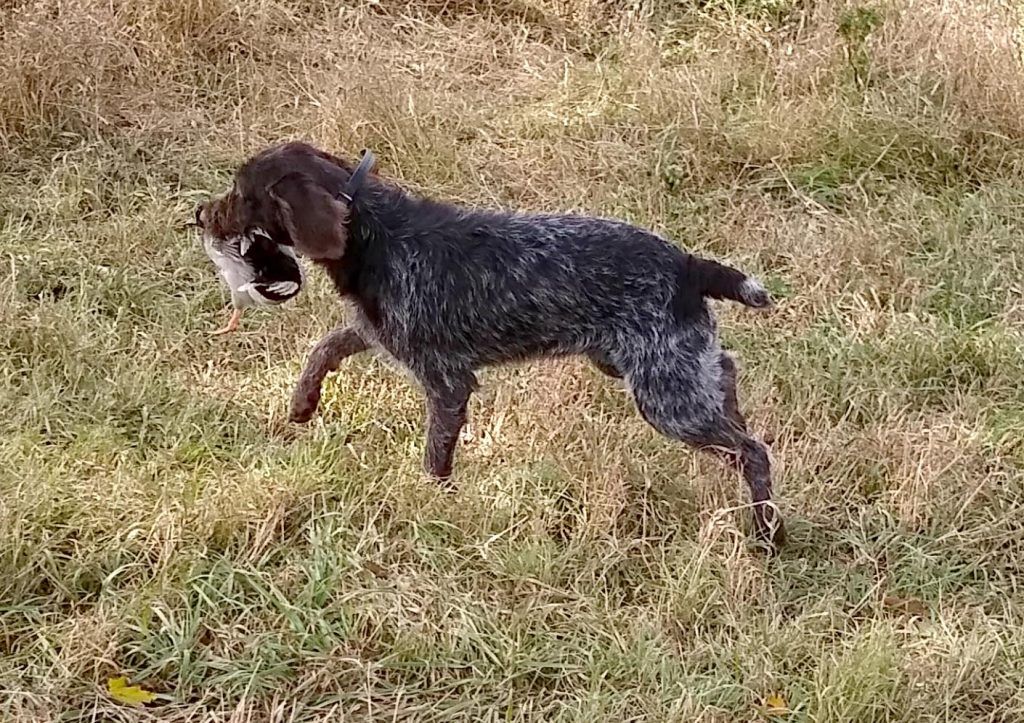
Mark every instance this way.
x=719 y=281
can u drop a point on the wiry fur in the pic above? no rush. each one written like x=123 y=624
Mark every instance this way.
x=446 y=290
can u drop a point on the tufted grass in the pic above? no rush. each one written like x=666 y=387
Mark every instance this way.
x=159 y=520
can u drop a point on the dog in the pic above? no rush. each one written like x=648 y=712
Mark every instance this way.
x=447 y=290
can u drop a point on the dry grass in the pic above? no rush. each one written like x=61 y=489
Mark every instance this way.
x=157 y=521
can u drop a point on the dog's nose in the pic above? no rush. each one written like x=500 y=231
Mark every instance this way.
x=199 y=215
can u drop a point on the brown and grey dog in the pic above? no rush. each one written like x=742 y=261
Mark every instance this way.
x=447 y=290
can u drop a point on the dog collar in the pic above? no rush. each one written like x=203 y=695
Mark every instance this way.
x=357 y=177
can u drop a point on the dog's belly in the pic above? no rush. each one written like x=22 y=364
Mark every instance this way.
x=522 y=350
x=467 y=350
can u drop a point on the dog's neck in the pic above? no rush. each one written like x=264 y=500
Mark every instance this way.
x=360 y=272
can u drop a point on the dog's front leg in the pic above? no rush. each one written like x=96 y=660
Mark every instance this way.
x=446 y=415
x=324 y=359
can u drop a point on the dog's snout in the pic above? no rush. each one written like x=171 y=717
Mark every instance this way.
x=199 y=214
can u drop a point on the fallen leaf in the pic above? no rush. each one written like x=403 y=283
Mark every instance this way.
x=128 y=694
x=776 y=705
x=906 y=606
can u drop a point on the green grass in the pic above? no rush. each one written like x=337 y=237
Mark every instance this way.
x=160 y=520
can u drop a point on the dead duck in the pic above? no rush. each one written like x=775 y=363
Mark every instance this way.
x=257 y=270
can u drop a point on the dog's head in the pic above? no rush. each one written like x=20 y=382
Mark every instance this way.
x=288 y=192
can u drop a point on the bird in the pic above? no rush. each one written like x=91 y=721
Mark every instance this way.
x=257 y=271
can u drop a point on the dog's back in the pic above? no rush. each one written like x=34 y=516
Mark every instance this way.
x=490 y=287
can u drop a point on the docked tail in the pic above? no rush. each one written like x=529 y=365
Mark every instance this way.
x=724 y=282
x=700 y=278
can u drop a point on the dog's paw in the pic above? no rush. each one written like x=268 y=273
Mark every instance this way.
x=769 y=527
x=301 y=416
x=303 y=407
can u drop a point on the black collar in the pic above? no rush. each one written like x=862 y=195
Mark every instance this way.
x=355 y=181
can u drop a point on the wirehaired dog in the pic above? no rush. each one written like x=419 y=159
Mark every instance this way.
x=447 y=290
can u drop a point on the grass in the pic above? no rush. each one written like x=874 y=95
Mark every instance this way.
x=159 y=520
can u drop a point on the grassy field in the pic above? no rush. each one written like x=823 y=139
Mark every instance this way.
x=159 y=520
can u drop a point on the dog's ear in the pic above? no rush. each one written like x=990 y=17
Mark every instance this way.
x=313 y=218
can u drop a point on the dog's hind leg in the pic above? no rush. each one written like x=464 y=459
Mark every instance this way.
x=753 y=460
x=325 y=358
x=692 y=397
x=728 y=383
